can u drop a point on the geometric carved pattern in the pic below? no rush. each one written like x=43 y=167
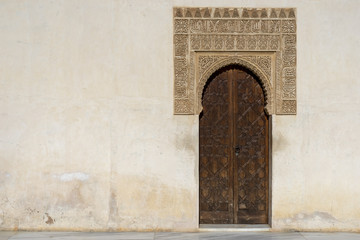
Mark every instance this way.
x=215 y=180
x=235 y=30
x=233 y=159
x=251 y=136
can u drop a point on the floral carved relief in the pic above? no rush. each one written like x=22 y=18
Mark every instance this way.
x=262 y=40
x=208 y=63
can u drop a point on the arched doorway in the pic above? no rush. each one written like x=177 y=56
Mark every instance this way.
x=234 y=149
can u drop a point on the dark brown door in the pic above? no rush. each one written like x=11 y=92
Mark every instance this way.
x=234 y=165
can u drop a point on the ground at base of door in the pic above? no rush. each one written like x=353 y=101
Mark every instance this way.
x=178 y=236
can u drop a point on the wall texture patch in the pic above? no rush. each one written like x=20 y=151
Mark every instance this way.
x=262 y=40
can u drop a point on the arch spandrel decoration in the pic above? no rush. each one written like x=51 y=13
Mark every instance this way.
x=251 y=63
x=262 y=40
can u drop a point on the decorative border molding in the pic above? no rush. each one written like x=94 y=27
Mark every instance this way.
x=262 y=40
x=260 y=65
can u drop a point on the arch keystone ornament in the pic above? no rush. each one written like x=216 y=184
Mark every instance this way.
x=263 y=40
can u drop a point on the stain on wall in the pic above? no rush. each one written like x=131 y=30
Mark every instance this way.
x=48 y=219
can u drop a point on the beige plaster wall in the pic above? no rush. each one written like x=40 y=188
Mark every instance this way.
x=88 y=139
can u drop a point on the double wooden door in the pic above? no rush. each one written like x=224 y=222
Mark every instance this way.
x=234 y=165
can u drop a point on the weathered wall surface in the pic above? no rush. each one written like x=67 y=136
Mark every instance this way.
x=88 y=139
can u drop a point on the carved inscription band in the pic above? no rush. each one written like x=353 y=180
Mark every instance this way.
x=243 y=36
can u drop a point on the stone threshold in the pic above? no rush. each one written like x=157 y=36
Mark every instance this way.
x=234 y=227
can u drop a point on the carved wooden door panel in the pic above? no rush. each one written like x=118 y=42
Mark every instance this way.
x=234 y=179
x=216 y=171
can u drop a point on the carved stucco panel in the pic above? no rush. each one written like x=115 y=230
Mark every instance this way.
x=260 y=65
x=262 y=40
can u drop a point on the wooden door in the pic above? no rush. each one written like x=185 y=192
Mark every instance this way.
x=234 y=166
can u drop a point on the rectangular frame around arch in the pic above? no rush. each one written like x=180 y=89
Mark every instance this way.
x=227 y=30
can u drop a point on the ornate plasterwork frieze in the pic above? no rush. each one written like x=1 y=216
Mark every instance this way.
x=262 y=40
